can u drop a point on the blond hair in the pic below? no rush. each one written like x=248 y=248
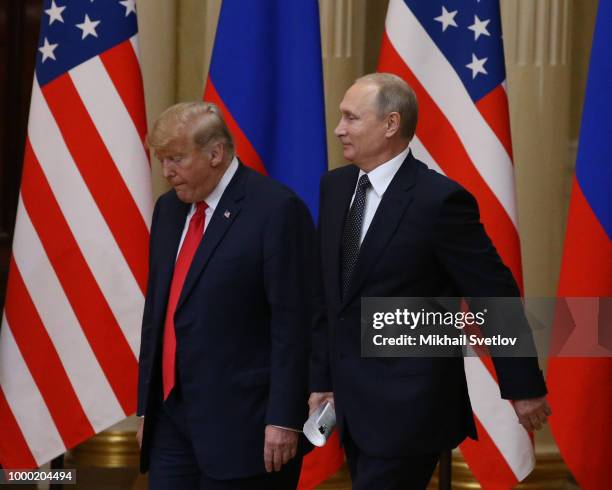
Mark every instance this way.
x=204 y=119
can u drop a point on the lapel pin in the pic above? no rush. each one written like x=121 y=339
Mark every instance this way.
x=227 y=214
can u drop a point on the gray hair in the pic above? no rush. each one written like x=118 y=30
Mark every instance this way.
x=395 y=95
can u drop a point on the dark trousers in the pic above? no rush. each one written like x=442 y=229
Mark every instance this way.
x=411 y=472
x=174 y=466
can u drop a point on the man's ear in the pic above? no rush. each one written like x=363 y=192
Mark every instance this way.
x=217 y=152
x=393 y=124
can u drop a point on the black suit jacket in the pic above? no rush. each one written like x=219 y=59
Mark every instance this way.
x=241 y=322
x=426 y=240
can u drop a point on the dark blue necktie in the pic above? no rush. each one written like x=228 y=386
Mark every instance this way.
x=352 y=233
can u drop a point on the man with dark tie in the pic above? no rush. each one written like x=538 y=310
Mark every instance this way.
x=390 y=227
x=222 y=386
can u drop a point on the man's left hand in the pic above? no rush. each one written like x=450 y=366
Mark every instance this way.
x=532 y=413
x=280 y=445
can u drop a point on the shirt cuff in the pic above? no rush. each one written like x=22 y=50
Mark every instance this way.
x=286 y=428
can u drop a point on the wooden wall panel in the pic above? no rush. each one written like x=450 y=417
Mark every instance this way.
x=19 y=26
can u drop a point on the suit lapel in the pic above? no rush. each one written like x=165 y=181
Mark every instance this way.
x=340 y=201
x=396 y=199
x=171 y=229
x=222 y=219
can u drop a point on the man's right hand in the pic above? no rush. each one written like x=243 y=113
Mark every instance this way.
x=139 y=431
x=532 y=413
x=319 y=398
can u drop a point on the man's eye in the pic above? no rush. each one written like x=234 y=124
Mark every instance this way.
x=176 y=159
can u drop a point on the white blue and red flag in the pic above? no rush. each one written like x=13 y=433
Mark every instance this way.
x=581 y=388
x=70 y=330
x=266 y=75
x=451 y=53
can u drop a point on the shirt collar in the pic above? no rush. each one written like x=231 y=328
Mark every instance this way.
x=381 y=176
x=215 y=196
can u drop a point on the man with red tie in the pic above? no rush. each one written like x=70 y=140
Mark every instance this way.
x=222 y=383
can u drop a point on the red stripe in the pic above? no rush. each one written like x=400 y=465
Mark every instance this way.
x=587 y=254
x=44 y=363
x=244 y=149
x=492 y=471
x=321 y=463
x=123 y=68
x=89 y=304
x=99 y=172
x=494 y=109
x=443 y=143
x=14 y=450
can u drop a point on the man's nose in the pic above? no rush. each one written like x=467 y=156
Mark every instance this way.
x=167 y=168
x=339 y=131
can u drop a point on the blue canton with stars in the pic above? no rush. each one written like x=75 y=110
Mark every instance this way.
x=468 y=32
x=73 y=31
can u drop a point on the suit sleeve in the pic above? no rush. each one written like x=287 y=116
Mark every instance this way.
x=287 y=271
x=146 y=348
x=466 y=251
x=320 y=373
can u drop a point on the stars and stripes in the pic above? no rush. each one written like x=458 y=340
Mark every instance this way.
x=451 y=53
x=70 y=330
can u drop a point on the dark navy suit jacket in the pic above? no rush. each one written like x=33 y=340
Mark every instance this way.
x=426 y=240
x=241 y=322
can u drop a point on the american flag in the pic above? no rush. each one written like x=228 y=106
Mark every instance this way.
x=451 y=53
x=69 y=339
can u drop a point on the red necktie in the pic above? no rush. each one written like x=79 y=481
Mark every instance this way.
x=183 y=262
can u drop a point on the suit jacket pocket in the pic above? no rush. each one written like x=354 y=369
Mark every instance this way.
x=253 y=377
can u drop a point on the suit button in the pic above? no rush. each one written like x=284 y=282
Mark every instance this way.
x=341 y=318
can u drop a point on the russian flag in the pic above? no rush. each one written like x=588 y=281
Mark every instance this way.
x=266 y=75
x=580 y=388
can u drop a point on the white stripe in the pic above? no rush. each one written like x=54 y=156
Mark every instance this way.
x=499 y=419
x=90 y=231
x=437 y=75
x=86 y=376
x=135 y=45
x=26 y=403
x=117 y=130
x=421 y=153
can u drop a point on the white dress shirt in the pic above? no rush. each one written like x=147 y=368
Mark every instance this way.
x=212 y=200
x=380 y=178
